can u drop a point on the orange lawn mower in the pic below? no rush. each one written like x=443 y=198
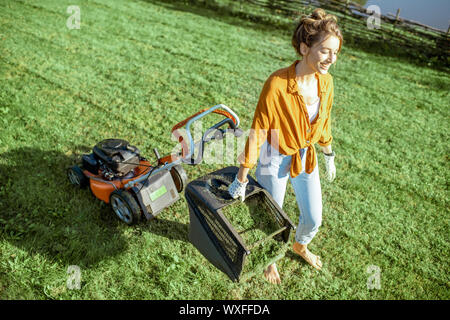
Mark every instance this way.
x=117 y=174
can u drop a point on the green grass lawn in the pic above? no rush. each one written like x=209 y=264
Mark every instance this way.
x=133 y=70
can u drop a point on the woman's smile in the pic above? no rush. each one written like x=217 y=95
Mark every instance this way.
x=325 y=66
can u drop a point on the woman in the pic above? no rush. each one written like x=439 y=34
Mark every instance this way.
x=293 y=113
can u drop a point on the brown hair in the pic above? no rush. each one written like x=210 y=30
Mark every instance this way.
x=313 y=27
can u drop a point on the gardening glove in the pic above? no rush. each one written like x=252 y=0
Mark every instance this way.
x=237 y=189
x=329 y=164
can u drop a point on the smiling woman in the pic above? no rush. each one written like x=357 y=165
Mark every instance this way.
x=292 y=114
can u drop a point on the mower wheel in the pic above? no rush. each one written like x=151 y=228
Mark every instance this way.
x=125 y=206
x=179 y=177
x=77 y=177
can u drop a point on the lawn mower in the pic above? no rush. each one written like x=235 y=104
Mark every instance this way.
x=117 y=174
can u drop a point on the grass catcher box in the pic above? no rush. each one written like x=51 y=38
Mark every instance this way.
x=239 y=238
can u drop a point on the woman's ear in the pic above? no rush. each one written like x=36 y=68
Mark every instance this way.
x=304 y=49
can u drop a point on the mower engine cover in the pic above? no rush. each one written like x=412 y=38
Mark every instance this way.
x=118 y=155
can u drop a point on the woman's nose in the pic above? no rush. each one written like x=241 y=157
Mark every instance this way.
x=332 y=58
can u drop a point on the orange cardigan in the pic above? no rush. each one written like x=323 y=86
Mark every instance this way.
x=281 y=118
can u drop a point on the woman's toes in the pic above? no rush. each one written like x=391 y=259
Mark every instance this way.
x=271 y=274
x=319 y=262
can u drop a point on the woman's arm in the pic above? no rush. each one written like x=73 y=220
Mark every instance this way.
x=242 y=174
x=327 y=149
x=258 y=131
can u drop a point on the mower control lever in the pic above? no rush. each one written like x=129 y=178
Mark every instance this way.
x=156 y=154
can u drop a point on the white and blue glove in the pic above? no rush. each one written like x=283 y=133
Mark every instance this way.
x=237 y=189
x=329 y=165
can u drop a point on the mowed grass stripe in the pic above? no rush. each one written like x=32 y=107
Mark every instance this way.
x=190 y=33
x=53 y=109
x=226 y=77
x=55 y=62
x=115 y=91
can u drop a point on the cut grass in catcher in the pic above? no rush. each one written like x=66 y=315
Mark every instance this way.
x=254 y=222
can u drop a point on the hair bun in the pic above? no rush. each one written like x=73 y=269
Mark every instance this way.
x=318 y=14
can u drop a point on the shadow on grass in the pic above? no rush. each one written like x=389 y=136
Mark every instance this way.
x=167 y=228
x=42 y=213
x=378 y=45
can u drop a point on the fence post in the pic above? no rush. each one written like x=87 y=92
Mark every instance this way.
x=396 y=19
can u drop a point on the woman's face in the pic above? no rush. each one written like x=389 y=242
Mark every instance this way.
x=321 y=55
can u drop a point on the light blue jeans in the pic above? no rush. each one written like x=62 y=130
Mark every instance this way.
x=272 y=173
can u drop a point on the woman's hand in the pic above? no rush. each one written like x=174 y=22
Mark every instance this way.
x=237 y=188
x=328 y=155
x=329 y=165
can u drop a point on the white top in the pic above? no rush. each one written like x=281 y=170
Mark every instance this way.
x=313 y=110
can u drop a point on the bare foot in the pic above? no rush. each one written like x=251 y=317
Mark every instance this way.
x=271 y=274
x=312 y=259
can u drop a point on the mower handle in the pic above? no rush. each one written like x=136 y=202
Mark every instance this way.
x=227 y=113
x=213 y=133
x=232 y=119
